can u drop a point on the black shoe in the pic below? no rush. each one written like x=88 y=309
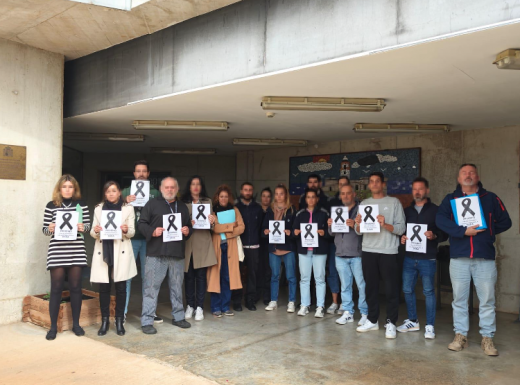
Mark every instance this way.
x=78 y=330
x=149 y=329
x=266 y=302
x=157 y=320
x=105 y=324
x=183 y=324
x=237 y=307
x=120 y=329
x=51 y=334
x=251 y=306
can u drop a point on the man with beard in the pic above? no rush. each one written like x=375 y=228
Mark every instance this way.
x=314 y=183
x=472 y=254
x=421 y=211
x=252 y=214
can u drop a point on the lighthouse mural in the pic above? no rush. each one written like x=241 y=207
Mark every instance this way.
x=345 y=167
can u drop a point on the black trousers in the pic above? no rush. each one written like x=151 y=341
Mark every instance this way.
x=263 y=279
x=195 y=286
x=104 y=297
x=377 y=266
x=248 y=272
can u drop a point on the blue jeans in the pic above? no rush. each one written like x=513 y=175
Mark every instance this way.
x=139 y=246
x=333 y=276
x=349 y=269
x=413 y=269
x=484 y=274
x=220 y=301
x=310 y=263
x=275 y=262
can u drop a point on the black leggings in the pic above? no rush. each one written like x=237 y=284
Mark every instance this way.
x=104 y=297
x=57 y=280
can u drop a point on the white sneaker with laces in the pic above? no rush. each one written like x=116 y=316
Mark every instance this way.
x=362 y=320
x=304 y=310
x=189 y=312
x=408 y=326
x=390 y=330
x=291 y=308
x=199 y=314
x=345 y=318
x=367 y=327
x=332 y=308
x=319 y=312
x=429 y=332
x=272 y=305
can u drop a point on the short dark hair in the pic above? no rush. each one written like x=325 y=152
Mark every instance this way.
x=142 y=162
x=344 y=177
x=378 y=174
x=310 y=190
x=314 y=176
x=468 y=164
x=246 y=184
x=420 y=179
x=268 y=189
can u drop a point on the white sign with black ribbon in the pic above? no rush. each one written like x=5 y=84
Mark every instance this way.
x=172 y=225
x=369 y=223
x=468 y=211
x=66 y=226
x=276 y=232
x=200 y=214
x=416 y=241
x=141 y=190
x=111 y=225
x=339 y=216
x=309 y=234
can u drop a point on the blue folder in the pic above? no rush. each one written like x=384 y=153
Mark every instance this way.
x=454 y=209
x=224 y=217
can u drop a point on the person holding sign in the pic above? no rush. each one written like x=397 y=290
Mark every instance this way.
x=472 y=253
x=348 y=257
x=379 y=257
x=282 y=213
x=113 y=259
x=225 y=275
x=164 y=258
x=263 y=279
x=199 y=253
x=420 y=258
x=312 y=251
x=66 y=256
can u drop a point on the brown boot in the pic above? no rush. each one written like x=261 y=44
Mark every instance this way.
x=459 y=342
x=488 y=346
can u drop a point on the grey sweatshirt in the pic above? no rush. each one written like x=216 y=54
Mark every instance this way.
x=348 y=244
x=385 y=242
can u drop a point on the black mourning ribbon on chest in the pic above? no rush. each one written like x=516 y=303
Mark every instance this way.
x=171 y=220
x=339 y=211
x=110 y=216
x=139 y=186
x=466 y=203
x=308 y=229
x=276 y=229
x=416 y=230
x=66 y=221
x=368 y=212
x=200 y=209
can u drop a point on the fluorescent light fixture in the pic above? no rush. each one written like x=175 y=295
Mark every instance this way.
x=179 y=125
x=399 y=127
x=508 y=60
x=109 y=137
x=185 y=151
x=322 y=104
x=270 y=142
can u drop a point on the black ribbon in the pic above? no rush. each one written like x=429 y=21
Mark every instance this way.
x=171 y=219
x=110 y=216
x=368 y=212
x=466 y=203
x=200 y=209
x=308 y=228
x=276 y=229
x=66 y=219
x=139 y=186
x=416 y=230
x=339 y=211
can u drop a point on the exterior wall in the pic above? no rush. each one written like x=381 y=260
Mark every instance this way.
x=31 y=97
x=494 y=151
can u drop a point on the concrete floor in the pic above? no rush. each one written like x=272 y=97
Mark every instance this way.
x=280 y=348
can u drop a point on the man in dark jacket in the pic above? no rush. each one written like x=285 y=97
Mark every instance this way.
x=472 y=255
x=314 y=183
x=163 y=257
x=421 y=211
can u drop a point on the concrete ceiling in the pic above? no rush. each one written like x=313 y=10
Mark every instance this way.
x=74 y=29
x=449 y=81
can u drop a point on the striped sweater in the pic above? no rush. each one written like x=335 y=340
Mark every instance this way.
x=66 y=253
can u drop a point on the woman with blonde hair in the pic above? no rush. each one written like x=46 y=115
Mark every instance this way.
x=66 y=256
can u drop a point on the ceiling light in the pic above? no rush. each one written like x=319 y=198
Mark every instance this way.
x=322 y=104
x=109 y=137
x=179 y=125
x=185 y=151
x=270 y=142
x=398 y=127
x=508 y=60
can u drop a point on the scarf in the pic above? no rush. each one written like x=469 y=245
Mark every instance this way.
x=218 y=208
x=278 y=212
x=108 y=244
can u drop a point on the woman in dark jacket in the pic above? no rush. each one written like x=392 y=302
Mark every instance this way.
x=281 y=210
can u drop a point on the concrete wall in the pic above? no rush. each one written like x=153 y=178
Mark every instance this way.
x=495 y=151
x=31 y=97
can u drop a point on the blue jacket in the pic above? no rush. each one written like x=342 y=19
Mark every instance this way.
x=319 y=216
x=482 y=244
x=289 y=220
x=252 y=214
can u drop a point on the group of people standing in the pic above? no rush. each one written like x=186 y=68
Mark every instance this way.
x=234 y=260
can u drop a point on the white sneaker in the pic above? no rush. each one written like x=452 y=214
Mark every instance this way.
x=189 y=312
x=429 y=332
x=390 y=330
x=304 y=310
x=319 y=312
x=345 y=318
x=199 y=314
x=362 y=320
x=367 y=327
x=332 y=308
x=272 y=305
x=291 y=308
x=408 y=326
